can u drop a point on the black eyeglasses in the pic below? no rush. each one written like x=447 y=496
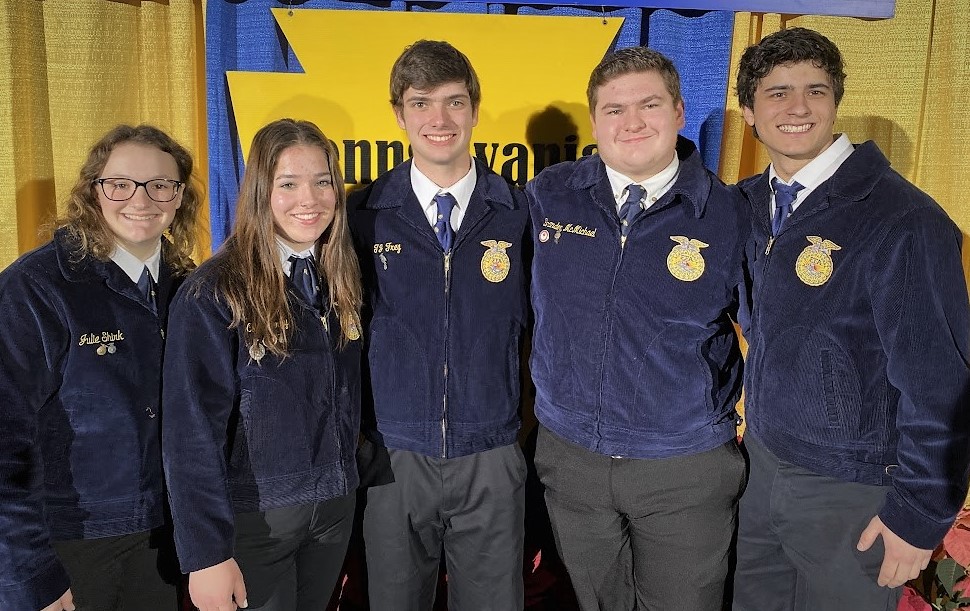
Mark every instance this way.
x=160 y=190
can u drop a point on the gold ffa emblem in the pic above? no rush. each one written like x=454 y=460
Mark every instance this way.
x=353 y=332
x=495 y=261
x=685 y=261
x=814 y=266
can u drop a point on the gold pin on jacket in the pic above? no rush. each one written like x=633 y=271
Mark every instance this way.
x=685 y=261
x=814 y=266
x=495 y=261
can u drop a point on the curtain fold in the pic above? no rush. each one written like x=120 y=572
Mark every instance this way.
x=74 y=70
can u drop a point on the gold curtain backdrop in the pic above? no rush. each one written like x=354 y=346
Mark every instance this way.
x=77 y=68
x=73 y=71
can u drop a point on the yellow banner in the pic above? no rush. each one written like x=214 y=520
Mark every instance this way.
x=533 y=110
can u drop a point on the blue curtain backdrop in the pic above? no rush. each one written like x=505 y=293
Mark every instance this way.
x=242 y=35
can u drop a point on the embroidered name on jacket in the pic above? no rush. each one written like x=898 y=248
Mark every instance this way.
x=105 y=341
x=814 y=266
x=561 y=228
x=104 y=337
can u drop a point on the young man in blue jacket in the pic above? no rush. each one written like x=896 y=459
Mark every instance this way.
x=857 y=379
x=638 y=259
x=440 y=240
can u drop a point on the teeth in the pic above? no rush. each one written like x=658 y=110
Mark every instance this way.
x=307 y=216
x=140 y=217
x=795 y=129
x=439 y=138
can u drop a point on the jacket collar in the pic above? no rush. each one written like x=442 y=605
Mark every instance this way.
x=693 y=182
x=394 y=192
x=87 y=269
x=853 y=181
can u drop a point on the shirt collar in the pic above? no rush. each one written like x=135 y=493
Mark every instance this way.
x=655 y=186
x=425 y=189
x=285 y=252
x=821 y=168
x=133 y=266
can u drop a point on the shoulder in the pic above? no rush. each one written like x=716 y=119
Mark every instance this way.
x=571 y=175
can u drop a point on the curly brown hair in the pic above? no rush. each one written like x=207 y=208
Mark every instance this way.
x=791 y=46
x=85 y=222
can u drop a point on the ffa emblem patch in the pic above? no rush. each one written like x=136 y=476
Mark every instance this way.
x=814 y=266
x=495 y=261
x=685 y=261
x=257 y=351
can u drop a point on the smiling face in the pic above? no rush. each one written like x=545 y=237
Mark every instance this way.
x=439 y=125
x=139 y=222
x=303 y=198
x=793 y=115
x=635 y=124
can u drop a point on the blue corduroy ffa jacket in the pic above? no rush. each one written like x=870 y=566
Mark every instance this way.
x=859 y=341
x=80 y=389
x=444 y=329
x=634 y=352
x=246 y=431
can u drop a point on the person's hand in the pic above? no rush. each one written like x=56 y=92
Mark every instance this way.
x=901 y=561
x=64 y=603
x=218 y=588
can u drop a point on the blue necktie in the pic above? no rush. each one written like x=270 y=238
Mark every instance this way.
x=631 y=207
x=784 y=197
x=303 y=274
x=442 y=225
x=147 y=287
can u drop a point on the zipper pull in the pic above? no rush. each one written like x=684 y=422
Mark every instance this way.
x=771 y=241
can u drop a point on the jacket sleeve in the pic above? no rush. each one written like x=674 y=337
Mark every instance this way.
x=199 y=394
x=920 y=309
x=31 y=576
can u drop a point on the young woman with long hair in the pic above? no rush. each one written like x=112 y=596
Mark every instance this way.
x=262 y=387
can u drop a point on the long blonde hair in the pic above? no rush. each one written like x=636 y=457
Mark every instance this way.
x=252 y=280
x=85 y=222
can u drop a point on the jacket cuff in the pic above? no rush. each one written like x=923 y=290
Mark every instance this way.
x=910 y=525
x=37 y=592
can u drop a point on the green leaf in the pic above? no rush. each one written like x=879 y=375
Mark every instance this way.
x=949 y=572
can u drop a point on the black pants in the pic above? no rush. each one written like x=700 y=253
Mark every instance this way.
x=797 y=538
x=136 y=572
x=472 y=508
x=651 y=535
x=291 y=557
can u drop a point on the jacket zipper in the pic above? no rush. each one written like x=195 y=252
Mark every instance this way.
x=444 y=395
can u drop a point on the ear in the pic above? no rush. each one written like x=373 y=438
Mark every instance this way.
x=681 y=122
x=475 y=116
x=399 y=115
x=748 y=114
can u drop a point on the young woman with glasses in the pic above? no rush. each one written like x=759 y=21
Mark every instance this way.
x=82 y=507
x=262 y=388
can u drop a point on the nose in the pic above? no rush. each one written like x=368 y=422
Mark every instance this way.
x=633 y=121
x=140 y=197
x=439 y=115
x=799 y=105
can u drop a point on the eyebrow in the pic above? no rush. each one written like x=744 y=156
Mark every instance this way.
x=317 y=175
x=787 y=87
x=644 y=100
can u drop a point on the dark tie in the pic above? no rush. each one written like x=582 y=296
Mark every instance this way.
x=442 y=224
x=303 y=274
x=784 y=197
x=631 y=207
x=147 y=287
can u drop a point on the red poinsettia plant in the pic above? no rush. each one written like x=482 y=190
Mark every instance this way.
x=945 y=583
